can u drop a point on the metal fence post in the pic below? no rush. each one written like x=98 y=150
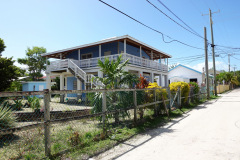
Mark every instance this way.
x=135 y=105
x=104 y=106
x=47 y=123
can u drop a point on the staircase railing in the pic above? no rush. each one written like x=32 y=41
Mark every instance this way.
x=88 y=78
x=77 y=70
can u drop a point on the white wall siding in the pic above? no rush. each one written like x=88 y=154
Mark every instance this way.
x=181 y=73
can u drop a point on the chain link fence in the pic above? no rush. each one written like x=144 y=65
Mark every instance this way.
x=36 y=125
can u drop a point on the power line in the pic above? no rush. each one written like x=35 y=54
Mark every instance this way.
x=236 y=58
x=157 y=31
x=227 y=47
x=179 y=18
x=193 y=32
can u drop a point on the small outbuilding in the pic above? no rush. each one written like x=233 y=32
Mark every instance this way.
x=34 y=86
x=186 y=74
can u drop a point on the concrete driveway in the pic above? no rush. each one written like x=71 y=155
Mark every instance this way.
x=209 y=132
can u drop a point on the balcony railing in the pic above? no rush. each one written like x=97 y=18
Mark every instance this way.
x=93 y=62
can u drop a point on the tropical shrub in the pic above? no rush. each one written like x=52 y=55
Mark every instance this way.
x=34 y=103
x=185 y=89
x=7 y=119
x=195 y=87
x=143 y=83
x=17 y=104
x=160 y=95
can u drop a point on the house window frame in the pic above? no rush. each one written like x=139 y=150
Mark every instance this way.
x=86 y=54
x=107 y=52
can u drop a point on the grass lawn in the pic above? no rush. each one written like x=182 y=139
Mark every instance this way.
x=80 y=139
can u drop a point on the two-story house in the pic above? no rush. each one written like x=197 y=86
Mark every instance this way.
x=75 y=66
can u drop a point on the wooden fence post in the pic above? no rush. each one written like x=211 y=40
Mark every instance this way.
x=180 y=99
x=135 y=105
x=169 y=97
x=47 y=123
x=104 y=106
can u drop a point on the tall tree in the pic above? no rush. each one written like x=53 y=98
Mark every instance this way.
x=2 y=46
x=8 y=73
x=35 y=62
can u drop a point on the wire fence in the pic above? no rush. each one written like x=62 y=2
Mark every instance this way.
x=36 y=125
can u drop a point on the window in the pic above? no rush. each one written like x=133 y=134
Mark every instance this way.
x=41 y=87
x=108 y=53
x=86 y=56
x=193 y=80
x=75 y=85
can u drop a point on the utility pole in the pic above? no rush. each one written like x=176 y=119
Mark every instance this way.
x=206 y=61
x=213 y=53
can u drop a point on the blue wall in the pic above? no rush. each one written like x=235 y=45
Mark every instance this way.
x=113 y=47
x=70 y=81
x=29 y=86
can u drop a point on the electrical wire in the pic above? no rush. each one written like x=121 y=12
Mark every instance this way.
x=155 y=30
x=196 y=34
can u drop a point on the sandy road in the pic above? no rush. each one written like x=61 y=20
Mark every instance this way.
x=209 y=132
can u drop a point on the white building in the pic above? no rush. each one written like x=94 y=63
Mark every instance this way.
x=75 y=66
x=185 y=74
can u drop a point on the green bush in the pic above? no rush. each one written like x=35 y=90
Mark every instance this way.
x=34 y=103
x=196 y=87
x=7 y=119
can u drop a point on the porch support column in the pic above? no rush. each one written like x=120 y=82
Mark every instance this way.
x=100 y=50
x=151 y=55
x=79 y=54
x=163 y=80
x=61 y=87
x=151 y=77
x=166 y=80
x=79 y=85
x=61 y=82
x=125 y=46
x=160 y=80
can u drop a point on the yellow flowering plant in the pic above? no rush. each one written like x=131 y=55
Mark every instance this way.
x=159 y=92
x=185 y=89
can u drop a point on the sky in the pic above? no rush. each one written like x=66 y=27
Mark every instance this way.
x=57 y=25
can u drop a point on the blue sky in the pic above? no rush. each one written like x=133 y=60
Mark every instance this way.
x=56 y=25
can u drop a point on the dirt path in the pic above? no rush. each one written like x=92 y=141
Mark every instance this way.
x=209 y=132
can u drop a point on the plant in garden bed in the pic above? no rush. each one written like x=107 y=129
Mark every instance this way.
x=195 y=89
x=115 y=77
x=34 y=103
x=185 y=89
x=160 y=95
x=7 y=119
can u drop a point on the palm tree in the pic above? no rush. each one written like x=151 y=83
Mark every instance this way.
x=113 y=72
x=114 y=77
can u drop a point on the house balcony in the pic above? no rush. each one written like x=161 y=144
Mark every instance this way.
x=134 y=61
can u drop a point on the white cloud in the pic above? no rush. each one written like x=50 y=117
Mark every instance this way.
x=219 y=66
x=22 y=66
